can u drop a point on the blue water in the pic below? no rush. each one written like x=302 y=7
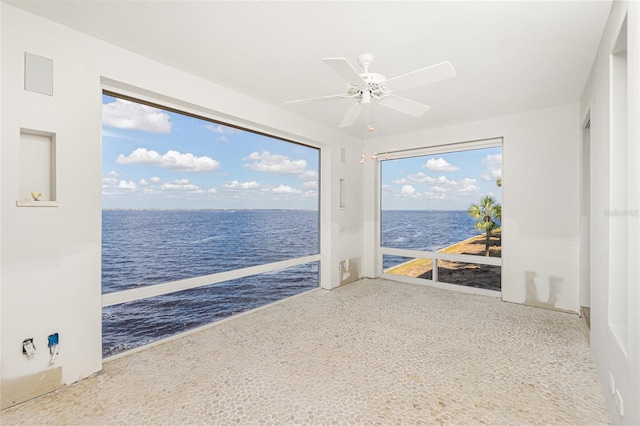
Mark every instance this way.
x=146 y=247
x=143 y=247
x=423 y=230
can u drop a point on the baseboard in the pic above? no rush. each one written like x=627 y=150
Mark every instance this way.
x=20 y=389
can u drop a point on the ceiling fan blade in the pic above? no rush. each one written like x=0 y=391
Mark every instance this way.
x=422 y=76
x=319 y=99
x=345 y=70
x=352 y=114
x=405 y=105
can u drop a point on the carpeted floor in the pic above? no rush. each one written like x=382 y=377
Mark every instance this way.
x=371 y=352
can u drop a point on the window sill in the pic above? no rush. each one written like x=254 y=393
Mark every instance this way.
x=33 y=203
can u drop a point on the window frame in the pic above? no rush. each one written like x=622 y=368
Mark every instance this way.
x=434 y=256
x=116 y=89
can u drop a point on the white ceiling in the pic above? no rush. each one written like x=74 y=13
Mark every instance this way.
x=510 y=57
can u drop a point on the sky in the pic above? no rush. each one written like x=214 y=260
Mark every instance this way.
x=447 y=181
x=157 y=159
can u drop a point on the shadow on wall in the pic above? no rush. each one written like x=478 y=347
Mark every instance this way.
x=532 y=298
x=351 y=274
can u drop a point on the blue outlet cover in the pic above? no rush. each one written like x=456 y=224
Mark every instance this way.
x=53 y=339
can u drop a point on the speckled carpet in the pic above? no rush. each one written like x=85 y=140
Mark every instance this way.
x=371 y=352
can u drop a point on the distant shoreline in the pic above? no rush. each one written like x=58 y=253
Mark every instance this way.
x=245 y=209
x=204 y=209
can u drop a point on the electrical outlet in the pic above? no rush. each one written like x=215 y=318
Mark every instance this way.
x=612 y=383
x=28 y=348
x=619 y=402
x=53 y=339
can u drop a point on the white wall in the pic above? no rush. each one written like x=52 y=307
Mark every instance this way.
x=606 y=248
x=51 y=256
x=540 y=198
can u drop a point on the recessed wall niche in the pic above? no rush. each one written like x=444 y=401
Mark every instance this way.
x=37 y=169
x=343 y=193
x=619 y=192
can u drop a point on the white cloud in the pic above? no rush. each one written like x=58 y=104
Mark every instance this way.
x=310 y=184
x=212 y=191
x=127 y=185
x=439 y=165
x=408 y=190
x=439 y=188
x=420 y=178
x=155 y=179
x=143 y=182
x=171 y=160
x=222 y=130
x=285 y=189
x=452 y=187
x=140 y=156
x=309 y=175
x=114 y=135
x=275 y=163
x=493 y=167
x=446 y=189
x=240 y=186
x=469 y=185
x=180 y=185
x=130 y=115
x=438 y=195
x=310 y=194
x=111 y=178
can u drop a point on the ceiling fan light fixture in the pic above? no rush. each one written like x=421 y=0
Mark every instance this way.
x=366 y=97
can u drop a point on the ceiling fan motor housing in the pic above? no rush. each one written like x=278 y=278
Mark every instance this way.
x=373 y=83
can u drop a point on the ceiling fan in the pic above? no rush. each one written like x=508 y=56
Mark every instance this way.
x=368 y=86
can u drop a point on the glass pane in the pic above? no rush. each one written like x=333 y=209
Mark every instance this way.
x=469 y=274
x=460 y=273
x=186 y=197
x=406 y=266
x=448 y=202
x=145 y=247
x=428 y=230
x=129 y=325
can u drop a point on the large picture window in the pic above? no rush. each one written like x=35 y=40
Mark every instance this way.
x=191 y=207
x=441 y=216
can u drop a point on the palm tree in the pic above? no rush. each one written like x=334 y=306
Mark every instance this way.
x=485 y=213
